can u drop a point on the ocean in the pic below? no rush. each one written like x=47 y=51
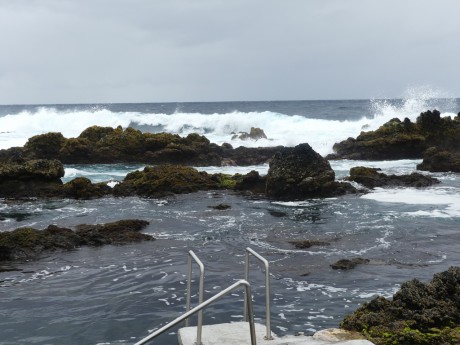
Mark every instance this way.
x=118 y=294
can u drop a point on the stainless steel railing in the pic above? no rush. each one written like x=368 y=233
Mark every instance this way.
x=249 y=251
x=249 y=311
x=192 y=256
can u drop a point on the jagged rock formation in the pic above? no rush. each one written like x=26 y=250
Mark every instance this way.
x=117 y=145
x=300 y=173
x=419 y=313
x=398 y=139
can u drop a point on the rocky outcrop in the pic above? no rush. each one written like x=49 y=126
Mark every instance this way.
x=83 y=188
x=398 y=139
x=255 y=133
x=34 y=178
x=300 y=173
x=439 y=160
x=251 y=182
x=419 y=313
x=166 y=179
x=29 y=243
x=117 y=145
x=42 y=178
x=371 y=178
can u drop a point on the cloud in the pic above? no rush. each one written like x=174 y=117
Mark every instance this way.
x=62 y=51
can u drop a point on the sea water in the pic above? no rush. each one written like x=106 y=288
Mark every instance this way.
x=118 y=294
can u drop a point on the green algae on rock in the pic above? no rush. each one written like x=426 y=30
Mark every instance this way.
x=419 y=313
x=164 y=180
x=29 y=243
x=33 y=178
x=398 y=139
x=440 y=160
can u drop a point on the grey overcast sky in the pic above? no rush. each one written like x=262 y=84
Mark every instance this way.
x=85 y=51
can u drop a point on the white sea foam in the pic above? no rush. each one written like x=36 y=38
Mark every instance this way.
x=441 y=202
x=281 y=129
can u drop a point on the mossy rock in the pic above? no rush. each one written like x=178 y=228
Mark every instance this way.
x=120 y=232
x=439 y=160
x=420 y=313
x=29 y=243
x=129 y=141
x=76 y=150
x=398 y=139
x=83 y=188
x=165 y=180
x=95 y=133
x=45 y=146
x=158 y=141
x=26 y=243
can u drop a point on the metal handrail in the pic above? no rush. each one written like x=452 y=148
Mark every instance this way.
x=191 y=255
x=268 y=335
x=248 y=305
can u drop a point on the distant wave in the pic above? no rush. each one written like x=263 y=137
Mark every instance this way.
x=281 y=129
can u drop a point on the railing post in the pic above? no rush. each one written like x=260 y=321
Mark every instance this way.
x=191 y=255
x=268 y=335
x=250 y=312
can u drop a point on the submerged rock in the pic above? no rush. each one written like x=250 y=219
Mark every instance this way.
x=300 y=173
x=348 y=264
x=29 y=243
x=419 y=313
x=221 y=207
x=371 y=178
x=398 y=139
x=120 y=232
x=305 y=244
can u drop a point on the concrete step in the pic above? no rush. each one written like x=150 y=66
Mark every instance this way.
x=237 y=333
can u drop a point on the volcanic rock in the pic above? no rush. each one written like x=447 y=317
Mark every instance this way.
x=29 y=243
x=34 y=178
x=439 y=160
x=371 y=178
x=419 y=313
x=299 y=173
x=398 y=139
x=254 y=134
x=164 y=180
x=348 y=264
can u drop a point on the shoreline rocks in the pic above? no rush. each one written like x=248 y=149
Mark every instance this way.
x=439 y=160
x=398 y=139
x=34 y=178
x=419 y=313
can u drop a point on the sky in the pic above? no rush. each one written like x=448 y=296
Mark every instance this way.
x=117 y=51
